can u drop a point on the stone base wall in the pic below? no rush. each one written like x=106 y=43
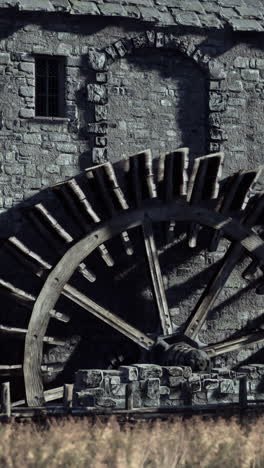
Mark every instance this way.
x=151 y=386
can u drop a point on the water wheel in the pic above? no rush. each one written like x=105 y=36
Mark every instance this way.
x=89 y=268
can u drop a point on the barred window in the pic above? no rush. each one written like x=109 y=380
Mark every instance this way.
x=49 y=86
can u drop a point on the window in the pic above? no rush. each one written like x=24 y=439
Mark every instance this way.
x=49 y=86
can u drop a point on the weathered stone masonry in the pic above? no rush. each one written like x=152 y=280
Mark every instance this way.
x=141 y=73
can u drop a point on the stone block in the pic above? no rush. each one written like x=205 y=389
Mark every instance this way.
x=14 y=169
x=249 y=12
x=210 y=21
x=194 y=384
x=241 y=62
x=101 y=77
x=190 y=5
x=60 y=137
x=84 y=8
x=66 y=148
x=235 y=85
x=88 y=378
x=164 y=390
x=141 y=2
x=97 y=93
x=210 y=384
x=137 y=398
x=99 y=155
x=151 y=35
x=32 y=139
x=100 y=128
x=121 y=49
x=172 y=371
x=152 y=393
x=105 y=402
x=140 y=40
x=101 y=141
x=147 y=371
x=150 y=14
x=217 y=102
x=101 y=113
x=97 y=60
x=4 y=58
x=52 y=169
x=26 y=67
x=113 y=9
x=117 y=390
x=250 y=75
x=27 y=91
x=260 y=63
x=129 y=373
x=227 y=386
x=133 y=11
x=186 y=18
x=246 y=25
x=153 y=388
x=87 y=398
x=26 y=113
x=175 y=381
x=216 y=70
x=31 y=5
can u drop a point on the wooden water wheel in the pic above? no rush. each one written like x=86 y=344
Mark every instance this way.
x=80 y=261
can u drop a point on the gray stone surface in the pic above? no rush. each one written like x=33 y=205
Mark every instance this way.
x=130 y=87
x=220 y=386
x=240 y=15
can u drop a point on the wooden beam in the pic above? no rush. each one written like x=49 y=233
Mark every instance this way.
x=56 y=227
x=9 y=370
x=234 y=344
x=156 y=277
x=17 y=292
x=23 y=331
x=204 y=185
x=213 y=290
x=49 y=395
x=5 y=399
x=67 y=395
x=173 y=180
x=70 y=191
x=108 y=317
x=235 y=197
x=62 y=272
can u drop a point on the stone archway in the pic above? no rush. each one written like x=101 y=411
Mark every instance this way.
x=146 y=43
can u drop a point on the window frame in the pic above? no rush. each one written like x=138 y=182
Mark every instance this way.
x=61 y=77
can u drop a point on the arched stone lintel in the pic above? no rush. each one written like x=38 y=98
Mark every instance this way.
x=100 y=60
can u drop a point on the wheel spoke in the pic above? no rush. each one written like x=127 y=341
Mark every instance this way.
x=108 y=317
x=213 y=290
x=10 y=370
x=49 y=395
x=23 y=331
x=156 y=277
x=235 y=344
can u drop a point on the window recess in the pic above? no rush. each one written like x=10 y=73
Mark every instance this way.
x=50 y=86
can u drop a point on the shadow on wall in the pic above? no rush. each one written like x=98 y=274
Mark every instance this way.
x=124 y=288
x=157 y=99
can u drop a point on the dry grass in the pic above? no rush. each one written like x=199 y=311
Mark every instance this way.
x=78 y=443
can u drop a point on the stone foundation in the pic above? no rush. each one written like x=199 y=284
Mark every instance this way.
x=151 y=386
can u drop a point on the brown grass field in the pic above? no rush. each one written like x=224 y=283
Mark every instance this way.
x=195 y=442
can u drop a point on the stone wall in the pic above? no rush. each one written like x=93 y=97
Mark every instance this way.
x=149 y=386
x=158 y=103
x=220 y=108
x=110 y=64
